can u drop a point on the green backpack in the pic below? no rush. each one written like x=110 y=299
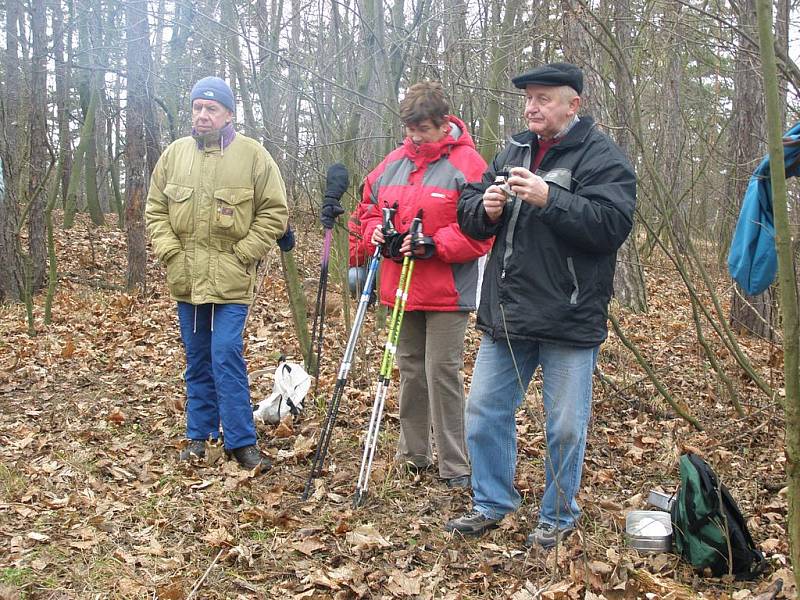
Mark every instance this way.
x=708 y=529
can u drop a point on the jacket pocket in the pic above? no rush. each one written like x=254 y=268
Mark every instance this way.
x=177 y=275
x=232 y=279
x=233 y=211
x=181 y=208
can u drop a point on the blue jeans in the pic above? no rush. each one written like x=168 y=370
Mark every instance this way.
x=217 y=388
x=496 y=394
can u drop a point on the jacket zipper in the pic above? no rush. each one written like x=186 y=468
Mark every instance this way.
x=512 y=222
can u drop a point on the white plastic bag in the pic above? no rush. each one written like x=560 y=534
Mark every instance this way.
x=288 y=393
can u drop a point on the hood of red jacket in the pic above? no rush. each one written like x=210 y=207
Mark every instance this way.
x=426 y=153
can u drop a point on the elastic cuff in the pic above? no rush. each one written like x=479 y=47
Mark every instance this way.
x=245 y=260
x=169 y=254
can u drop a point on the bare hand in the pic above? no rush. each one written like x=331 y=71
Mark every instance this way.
x=405 y=247
x=528 y=187
x=377 y=236
x=494 y=201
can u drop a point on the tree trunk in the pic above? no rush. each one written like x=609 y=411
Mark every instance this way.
x=91 y=101
x=292 y=131
x=106 y=33
x=629 y=286
x=268 y=24
x=37 y=229
x=674 y=149
x=580 y=49
x=138 y=60
x=12 y=276
x=238 y=78
x=62 y=98
x=491 y=136
x=185 y=14
x=787 y=276
x=78 y=160
x=12 y=279
x=748 y=313
x=297 y=303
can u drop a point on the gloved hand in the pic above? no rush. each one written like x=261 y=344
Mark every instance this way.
x=423 y=247
x=392 y=246
x=286 y=242
x=335 y=186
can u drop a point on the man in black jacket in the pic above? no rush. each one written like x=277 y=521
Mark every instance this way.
x=558 y=220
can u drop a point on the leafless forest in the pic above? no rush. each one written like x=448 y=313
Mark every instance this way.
x=92 y=504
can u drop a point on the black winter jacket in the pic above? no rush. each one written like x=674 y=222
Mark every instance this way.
x=550 y=274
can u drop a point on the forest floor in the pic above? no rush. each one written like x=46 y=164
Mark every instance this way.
x=93 y=503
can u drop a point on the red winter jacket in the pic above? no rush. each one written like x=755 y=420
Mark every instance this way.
x=360 y=247
x=429 y=177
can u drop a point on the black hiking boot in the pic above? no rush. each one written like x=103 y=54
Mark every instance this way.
x=458 y=483
x=194 y=450
x=250 y=457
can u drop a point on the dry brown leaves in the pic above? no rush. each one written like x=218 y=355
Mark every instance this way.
x=94 y=504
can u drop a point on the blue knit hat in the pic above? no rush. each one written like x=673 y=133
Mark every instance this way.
x=213 y=88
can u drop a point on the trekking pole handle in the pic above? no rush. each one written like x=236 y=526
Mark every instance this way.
x=388 y=221
x=415 y=231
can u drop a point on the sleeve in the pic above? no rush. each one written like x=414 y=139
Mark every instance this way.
x=271 y=214
x=452 y=245
x=359 y=246
x=372 y=215
x=598 y=216
x=472 y=218
x=165 y=243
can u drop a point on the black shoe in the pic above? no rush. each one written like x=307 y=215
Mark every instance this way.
x=194 y=450
x=473 y=524
x=415 y=469
x=250 y=457
x=547 y=536
x=460 y=483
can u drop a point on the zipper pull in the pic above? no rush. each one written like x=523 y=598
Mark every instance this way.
x=503 y=274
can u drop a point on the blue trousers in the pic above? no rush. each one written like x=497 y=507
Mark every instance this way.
x=496 y=394
x=217 y=388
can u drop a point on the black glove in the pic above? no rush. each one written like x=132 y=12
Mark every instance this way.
x=286 y=243
x=425 y=242
x=392 y=244
x=335 y=186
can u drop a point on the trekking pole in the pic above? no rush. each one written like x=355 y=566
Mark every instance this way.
x=344 y=369
x=336 y=183
x=387 y=364
x=319 y=310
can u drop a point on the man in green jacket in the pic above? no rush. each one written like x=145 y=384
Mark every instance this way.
x=216 y=204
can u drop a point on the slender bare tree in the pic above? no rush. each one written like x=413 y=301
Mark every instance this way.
x=755 y=314
x=12 y=280
x=137 y=31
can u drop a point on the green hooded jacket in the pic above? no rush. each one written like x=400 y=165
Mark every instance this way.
x=212 y=213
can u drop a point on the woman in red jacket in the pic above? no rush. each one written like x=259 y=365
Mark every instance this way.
x=436 y=161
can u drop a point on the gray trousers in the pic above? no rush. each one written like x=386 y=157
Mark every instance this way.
x=430 y=356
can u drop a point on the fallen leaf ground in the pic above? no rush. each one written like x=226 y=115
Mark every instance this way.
x=93 y=503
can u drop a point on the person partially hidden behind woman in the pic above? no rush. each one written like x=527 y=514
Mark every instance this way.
x=428 y=172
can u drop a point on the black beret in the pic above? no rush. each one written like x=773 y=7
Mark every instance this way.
x=553 y=74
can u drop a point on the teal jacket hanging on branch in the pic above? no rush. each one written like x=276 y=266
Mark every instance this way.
x=752 y=259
